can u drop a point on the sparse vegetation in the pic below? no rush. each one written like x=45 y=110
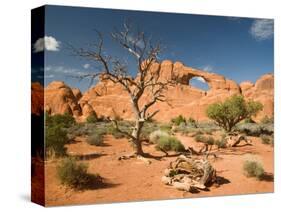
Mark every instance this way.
x=178 y=120
x=192 y=122
x=66 y=120
x=75 y=175
x=200 y=138
x=253 y=168
x=255 y=129
x=221 y=143
x=55 y=139
x=92 y=119
x=266 y=139
x=233 y=110
x=267 y=120
x=156 y=135
x=95 y=139
x=168 y=143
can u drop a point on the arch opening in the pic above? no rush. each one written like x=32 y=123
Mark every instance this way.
x=199 y=83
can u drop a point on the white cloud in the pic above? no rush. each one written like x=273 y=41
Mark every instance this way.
x=86 y=66
x=61 y=70
x=49 y=76
x=48 y=43
x=262 y=29
x=201 y=79
x=207 y=68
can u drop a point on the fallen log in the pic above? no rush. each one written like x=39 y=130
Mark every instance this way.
x=188 y=173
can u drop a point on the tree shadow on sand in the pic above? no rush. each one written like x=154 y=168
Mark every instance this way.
x=88 y=156
x=159 y=157
x=94 y=182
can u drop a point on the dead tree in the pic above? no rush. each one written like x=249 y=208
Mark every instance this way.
x=145 y=52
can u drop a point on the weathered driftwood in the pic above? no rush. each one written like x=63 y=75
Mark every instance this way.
x=187 y=173
x=232 y=140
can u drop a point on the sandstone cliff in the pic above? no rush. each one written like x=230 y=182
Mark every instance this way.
x=108 y=99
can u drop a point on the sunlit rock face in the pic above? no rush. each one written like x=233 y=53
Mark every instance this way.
x=107 y=99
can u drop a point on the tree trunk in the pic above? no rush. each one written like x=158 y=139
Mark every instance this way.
x=136 y=134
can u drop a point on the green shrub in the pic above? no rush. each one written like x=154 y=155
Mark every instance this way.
x=267 y=129
x=192 y=122
x=233 y=110
x=220 y=143
x=92 y=119
x=266 y=139
x=55 y=139
x=267 y=120
x=165 y=127
x=155 y=136
x=250 y=129
x=184 y=130
x=66 y=120
x=255 y=129
x=248 y=120
x=253 y=168
x=200 y=138
x=111 y=130
x=210 y=140
x=178 y=120
x=168 y=143
x=75 y=175
x=95 y=139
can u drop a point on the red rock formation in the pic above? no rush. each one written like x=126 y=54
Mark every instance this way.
x=110 y=100
x=37 y=98
x=59 y=99
x=77 y=93
x=262 y=91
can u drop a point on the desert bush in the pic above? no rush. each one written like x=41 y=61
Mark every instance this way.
x=253 y=168
x=221 y=143
x=165 y=127
x=112 y=130
x=267 y=129
x=168 y=143
x=248 y=120
x=210 y=140
x=233 y=110
x=266 y=139
x=95 y=139
x=255 y=129
x=155 y=136
x=92 y=119
x=178 y=120
x=64 y=120
x=249 y=129
x=79 y=130
x=75 y=175
x=55 y=139
x=267 y=120
x=200 y=138
x=192 y=122
x=197 y=133
x=184 y=130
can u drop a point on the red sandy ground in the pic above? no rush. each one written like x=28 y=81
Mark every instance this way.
x=134 y=180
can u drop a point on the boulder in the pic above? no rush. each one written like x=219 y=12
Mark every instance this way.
x=59 y=99
x=37 y=98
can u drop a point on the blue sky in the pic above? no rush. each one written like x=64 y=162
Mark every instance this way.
x=238 y=48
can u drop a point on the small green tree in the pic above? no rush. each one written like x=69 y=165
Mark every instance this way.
x=233 y=110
